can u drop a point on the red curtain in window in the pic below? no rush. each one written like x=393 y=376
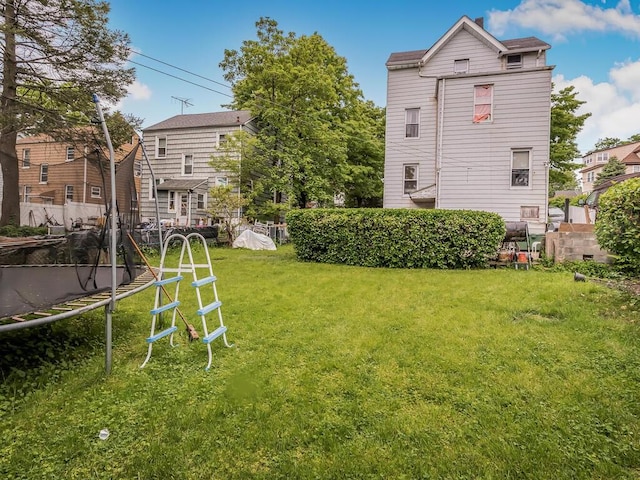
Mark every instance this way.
x=482 y=103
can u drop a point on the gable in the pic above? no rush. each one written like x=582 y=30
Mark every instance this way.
x=467 y=25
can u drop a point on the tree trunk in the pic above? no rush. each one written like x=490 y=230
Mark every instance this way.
x=8 y=133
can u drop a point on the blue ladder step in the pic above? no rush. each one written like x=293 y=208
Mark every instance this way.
x=164 y=308
x=207 y=308
x=165 y=281
x=162 y=334
x=204 y=281
x=213 y=335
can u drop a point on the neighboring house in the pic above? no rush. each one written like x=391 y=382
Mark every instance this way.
x=468 y=125
x=594 y=162
x=70 y=174
x=180 y=149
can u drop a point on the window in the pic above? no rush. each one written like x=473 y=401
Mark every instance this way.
x=202 y=201
x=137 y=168
x=602 y=157
x=482 y=103
x=412 y=122
x=635 y=168
x=410 y=178
x=461 y=66
x=26 y=192
x=588 y=160
x=44 y=173
x=68 y=193
x=187 y=164
x=70 y=153
x=221 y=181
x=161 y=147
x=529 y=212
x=26 y=158
x=514 y=61
x=172 y=202
x=590 y=176
x=520 y=168
x=184 y=205
x=222 y=138
x=96 y=192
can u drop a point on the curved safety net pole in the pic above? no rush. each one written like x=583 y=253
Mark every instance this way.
x=111 y=306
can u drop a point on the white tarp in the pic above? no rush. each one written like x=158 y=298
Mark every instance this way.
x=254 y=241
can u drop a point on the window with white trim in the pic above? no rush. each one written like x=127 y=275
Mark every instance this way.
x=514 y=61
x=521 y=168
x=26 y=192
x=482 y=103
x=461 y=66
x=588 y=160
x=590 y=176
x=635 y=168
x=202 y=201
x=171 y=205
x=410 y=178
x=602 y=157
x=222 y=181
x=96 y=192
x=68 y=193
x=187 y=164
x=222 y=138
x=44 y=173
x=412 y=122
x=161 y=147
x=70 y=153
x=26 y=157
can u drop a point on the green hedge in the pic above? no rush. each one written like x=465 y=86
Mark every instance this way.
x=402 y=238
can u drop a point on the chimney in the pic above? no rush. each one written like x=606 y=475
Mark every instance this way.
x=480 y=21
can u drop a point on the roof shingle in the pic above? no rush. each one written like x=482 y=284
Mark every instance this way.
x=194 y=120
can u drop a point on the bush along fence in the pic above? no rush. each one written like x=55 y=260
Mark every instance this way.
x=399 y=238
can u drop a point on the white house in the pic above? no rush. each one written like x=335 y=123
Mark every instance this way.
x=468 y=125
x=179 y=150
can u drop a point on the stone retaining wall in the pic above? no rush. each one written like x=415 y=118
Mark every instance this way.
x=574 y=241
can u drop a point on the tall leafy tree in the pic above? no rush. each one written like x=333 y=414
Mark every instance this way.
x=613 y=168
x=565 y=126
x=607 y=142
x=55 y=54
x=306 y=103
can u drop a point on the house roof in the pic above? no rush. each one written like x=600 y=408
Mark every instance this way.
x=194 y=120
x=415 y=57
x=176 y=184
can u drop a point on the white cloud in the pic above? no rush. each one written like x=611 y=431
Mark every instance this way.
x=614 y=105
x=138 y=91
x=558 y=18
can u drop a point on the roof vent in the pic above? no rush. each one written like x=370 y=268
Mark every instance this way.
x=480 y=22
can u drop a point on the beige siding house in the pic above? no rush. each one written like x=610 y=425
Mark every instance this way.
x=179 y=151
x=594 y=162
x=468 y=125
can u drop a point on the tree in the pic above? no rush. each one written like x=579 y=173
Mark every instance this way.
x=607 y=142
x=306 y=104
x=55 y=54
x=613 y=168
x=565 y=126
x=224 y=202
x=618 y=223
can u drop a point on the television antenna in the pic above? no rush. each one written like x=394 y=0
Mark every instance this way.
x=184 y=102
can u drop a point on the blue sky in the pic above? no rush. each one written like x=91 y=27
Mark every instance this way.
x=595 y=46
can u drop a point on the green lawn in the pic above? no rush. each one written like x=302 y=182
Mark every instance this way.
x=338 y=372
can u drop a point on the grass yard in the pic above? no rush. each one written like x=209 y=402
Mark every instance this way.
x=338 y=372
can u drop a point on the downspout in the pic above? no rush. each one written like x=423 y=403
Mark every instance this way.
x=440 y=126
x=84 y=177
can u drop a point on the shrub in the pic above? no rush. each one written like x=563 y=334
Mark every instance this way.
x=618 y=224
x=403 y=238
x=13 y=231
